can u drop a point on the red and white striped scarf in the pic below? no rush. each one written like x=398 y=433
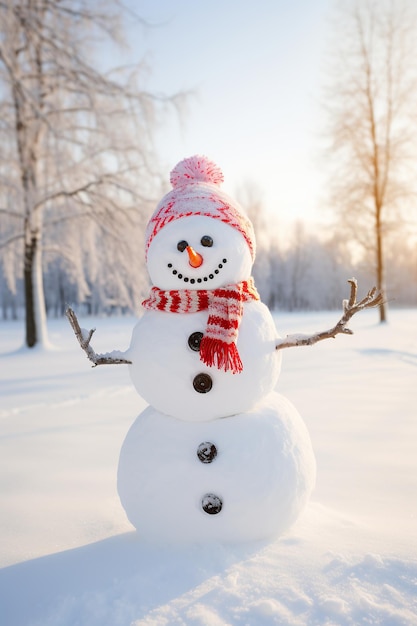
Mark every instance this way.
x=225 y=308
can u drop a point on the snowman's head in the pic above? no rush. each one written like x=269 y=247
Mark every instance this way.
x=198 y=237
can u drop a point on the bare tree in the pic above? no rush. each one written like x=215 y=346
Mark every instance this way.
x=75 y=139
x=372 y=102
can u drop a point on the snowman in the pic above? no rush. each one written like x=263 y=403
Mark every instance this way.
x=218 y=455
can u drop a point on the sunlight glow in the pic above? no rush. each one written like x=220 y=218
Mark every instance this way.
x=255 y=78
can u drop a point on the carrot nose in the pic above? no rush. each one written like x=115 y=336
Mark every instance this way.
x=195 y=259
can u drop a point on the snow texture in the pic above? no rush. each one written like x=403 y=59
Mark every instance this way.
x=70 y=557
x=263 y=474
x=163 y=365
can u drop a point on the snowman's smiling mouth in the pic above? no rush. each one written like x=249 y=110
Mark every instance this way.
x=192 y=280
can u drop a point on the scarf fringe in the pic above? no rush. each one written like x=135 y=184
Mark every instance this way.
x=214 y=352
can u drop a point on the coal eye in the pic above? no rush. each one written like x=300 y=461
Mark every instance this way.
x=182 y=245
x=206 y=241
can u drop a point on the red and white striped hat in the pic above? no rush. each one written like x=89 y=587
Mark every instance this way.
x=196 y=191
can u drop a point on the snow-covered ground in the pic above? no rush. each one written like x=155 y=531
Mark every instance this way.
x=70 y=557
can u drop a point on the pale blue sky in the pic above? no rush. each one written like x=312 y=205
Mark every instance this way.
x=257 y=70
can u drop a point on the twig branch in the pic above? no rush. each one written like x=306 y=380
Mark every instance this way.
x=15 y=214
x=84 y=338
x=350 y=307
x=11 y=239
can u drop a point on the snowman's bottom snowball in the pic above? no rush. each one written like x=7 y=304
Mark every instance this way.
x=263 y=474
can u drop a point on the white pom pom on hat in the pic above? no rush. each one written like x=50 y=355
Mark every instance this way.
x=196 y=191
x=196 y=169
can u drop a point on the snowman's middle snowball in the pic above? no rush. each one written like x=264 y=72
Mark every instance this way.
x=224 y=308
x=164 y=365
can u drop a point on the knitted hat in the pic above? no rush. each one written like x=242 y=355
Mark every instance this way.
x=196 y=191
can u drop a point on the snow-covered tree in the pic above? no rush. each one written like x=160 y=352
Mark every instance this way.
x=75 y=142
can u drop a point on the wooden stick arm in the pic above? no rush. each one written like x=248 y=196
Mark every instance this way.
x=350 y=307
x=84 y=338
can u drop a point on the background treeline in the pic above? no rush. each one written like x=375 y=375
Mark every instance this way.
x=294 y=270
x=80 y=173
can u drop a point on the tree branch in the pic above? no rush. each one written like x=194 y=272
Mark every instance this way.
x=6 y=242
x=84 y=338
x=350 y=307
x=73 y=192
x=9 y=213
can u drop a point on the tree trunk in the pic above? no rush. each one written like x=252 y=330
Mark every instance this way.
x=31 y=335
x=380 y=271
x=34 y=297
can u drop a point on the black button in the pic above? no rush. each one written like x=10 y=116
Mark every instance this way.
x=206 y=452
x=194 y=341
x=202 y=383
x=211 y=504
